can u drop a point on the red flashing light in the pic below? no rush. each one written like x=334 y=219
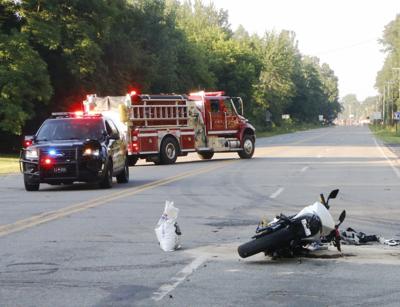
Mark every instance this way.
x=78 y=113
x=218 y=93
x=27 y=143
x=47 y=162
x=133 y=93
x=203 y=93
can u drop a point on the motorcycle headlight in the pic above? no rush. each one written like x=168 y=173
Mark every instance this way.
x=31 y=153
x=91 y=152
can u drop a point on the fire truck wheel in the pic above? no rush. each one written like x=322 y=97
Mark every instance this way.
x=205 y=155
x=169 y=151
x=132 y=160
x=123 y=177
x=106 y=182
x=248 y=147
x=29 y=186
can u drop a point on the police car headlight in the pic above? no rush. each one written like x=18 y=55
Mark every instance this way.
x=31 y=153
x=91 y=152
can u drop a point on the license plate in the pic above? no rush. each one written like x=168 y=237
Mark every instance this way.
x=60 y=170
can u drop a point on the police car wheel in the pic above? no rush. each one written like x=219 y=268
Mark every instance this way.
x=123 y=177
x=106 y=182
x=29 y=186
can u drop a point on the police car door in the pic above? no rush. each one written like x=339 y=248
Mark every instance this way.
x=116 y=146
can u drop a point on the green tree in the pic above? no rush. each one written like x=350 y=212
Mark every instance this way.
x=24 y=79
x=351 y=107
x=54 y=53
x=388 y=78
x=275 y=88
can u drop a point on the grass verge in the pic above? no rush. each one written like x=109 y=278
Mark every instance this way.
x=286 y=129
x=9 y=164
x=387 y=134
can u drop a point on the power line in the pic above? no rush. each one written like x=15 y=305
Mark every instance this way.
x=346 y=47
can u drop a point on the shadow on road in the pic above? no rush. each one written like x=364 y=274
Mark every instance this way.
x=80 y=186
x=214 y=160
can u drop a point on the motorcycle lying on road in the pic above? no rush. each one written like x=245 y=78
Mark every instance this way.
x=288 y=235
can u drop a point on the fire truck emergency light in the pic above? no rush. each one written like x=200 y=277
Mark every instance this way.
x=218 y=93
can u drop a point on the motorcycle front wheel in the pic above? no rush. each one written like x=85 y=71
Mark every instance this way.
x=267 y=243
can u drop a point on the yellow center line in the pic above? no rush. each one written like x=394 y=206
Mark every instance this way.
x=107 y=199
x=58 y=214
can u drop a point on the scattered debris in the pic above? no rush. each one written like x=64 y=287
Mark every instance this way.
x=167 y=231
x=315 y=246
x=391 y=242
x=352 y=237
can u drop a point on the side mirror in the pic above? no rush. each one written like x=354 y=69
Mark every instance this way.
x=239 y=105
x=341 y=218
x=333 y=194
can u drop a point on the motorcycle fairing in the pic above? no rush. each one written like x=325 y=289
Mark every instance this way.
x=319 y=209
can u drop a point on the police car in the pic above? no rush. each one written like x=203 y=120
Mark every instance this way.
x=74 y=147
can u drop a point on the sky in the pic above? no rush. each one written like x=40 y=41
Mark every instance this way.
x=342 y=33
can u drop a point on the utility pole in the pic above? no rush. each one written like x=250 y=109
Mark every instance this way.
x=398 y=78
x=383 y=104
x=388 y=96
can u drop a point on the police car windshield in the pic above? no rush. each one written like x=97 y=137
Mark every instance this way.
x=71 y=129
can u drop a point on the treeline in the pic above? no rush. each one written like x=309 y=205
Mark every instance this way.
x=354 y=110
x=53 y=53
x=388 y=78
x=387 y=83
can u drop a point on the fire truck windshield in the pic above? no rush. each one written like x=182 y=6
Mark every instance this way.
x=71 y=129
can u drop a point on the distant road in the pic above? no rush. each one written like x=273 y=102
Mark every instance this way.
x=80 y=246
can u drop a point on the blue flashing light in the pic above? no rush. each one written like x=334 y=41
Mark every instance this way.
x=52 y=152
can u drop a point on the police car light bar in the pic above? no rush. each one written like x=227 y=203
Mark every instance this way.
x=74 y=114
x=63 y=114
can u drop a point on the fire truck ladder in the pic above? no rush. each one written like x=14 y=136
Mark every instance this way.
x=160 y=114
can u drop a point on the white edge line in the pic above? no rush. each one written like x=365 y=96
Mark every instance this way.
x=276 y=193
x=178 y=278
x=394 y=168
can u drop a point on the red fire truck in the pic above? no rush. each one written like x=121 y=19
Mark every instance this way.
x=159 y=128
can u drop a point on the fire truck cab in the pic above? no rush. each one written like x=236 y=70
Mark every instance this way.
x=159 y=128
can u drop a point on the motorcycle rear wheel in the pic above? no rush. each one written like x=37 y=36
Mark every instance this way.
x=268 y=243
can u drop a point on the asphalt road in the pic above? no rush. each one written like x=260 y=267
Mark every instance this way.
x=80 y=246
